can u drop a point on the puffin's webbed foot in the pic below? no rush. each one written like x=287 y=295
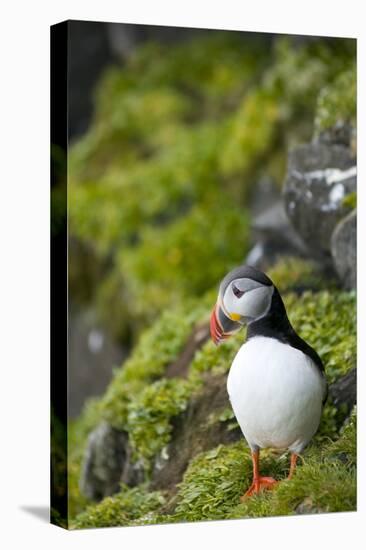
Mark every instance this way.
x=259 y=482
x=262 y=482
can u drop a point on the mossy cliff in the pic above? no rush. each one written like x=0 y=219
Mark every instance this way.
x=159 y=194
x=181 y=429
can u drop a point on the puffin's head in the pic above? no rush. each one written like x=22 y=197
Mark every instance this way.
x=245 y=295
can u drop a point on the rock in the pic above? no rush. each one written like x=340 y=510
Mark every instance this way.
x=104 y=461
x=89 y=53
x=344 y=250
x=307 y=507
x=275 y=237
x=108 y=463
x=133 y=473
x=180 y=366
x=341 y=133
x=108 y=459
x=343 y=393
x=92 y=356
x=195 y=431
x=319 y=176
x=264 y=194
x=125 y=38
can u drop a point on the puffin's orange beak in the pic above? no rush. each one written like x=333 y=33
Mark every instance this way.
x=221 y=327
x=217 y=332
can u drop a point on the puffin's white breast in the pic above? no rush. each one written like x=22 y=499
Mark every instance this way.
x=276 y=393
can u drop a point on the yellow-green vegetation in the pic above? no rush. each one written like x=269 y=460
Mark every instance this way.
x=295 y=273
x=350 y=201
x=325 y=481
x=327 y=320
x=158 y=347
x=150 y=414
x=160 y=182
x=337 y=101
x=214 y=482
x=122 y=509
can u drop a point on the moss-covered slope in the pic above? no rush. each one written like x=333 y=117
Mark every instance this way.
x=325 y=481
x=170 y=420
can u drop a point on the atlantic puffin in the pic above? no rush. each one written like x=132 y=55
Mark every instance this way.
x=276 y=384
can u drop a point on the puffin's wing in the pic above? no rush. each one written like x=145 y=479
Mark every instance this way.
x=325 y=387
x=295 y=341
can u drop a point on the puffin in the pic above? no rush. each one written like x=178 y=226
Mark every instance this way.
x=276 y=384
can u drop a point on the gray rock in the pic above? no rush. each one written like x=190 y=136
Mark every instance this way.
x=275 y=237
x=307 y=507
x=274 y=224
x=92 y=356
x=319 y=176
x=343 y=392
x=264 y=194
x=344 y=250
x=341 y=133
x=89 y=53
x=108 y=462
x=104 y=461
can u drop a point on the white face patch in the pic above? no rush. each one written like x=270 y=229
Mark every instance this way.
x=253 y=303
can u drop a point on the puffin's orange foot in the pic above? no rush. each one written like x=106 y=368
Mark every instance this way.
x=258 y=484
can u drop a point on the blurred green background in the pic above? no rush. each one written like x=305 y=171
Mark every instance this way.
x=161 y=183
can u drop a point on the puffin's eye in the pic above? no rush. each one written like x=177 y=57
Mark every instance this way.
x=238 y=293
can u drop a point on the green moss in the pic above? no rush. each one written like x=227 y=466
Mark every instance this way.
x=160 y=263
x=216 y=360
x=291 y=273
x=251 y=134
x=156 y=349
x=277 y=99
x=150 y=414
x=78 y=431
x=337 y=101
x=324 y=482
x=327 y=320
x=223 y=415
x=214 y=481
x=316 y=488
x=350 y=201
x=345 y=447
x=121 y=509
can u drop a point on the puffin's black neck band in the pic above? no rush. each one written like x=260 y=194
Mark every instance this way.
x=277 y=325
